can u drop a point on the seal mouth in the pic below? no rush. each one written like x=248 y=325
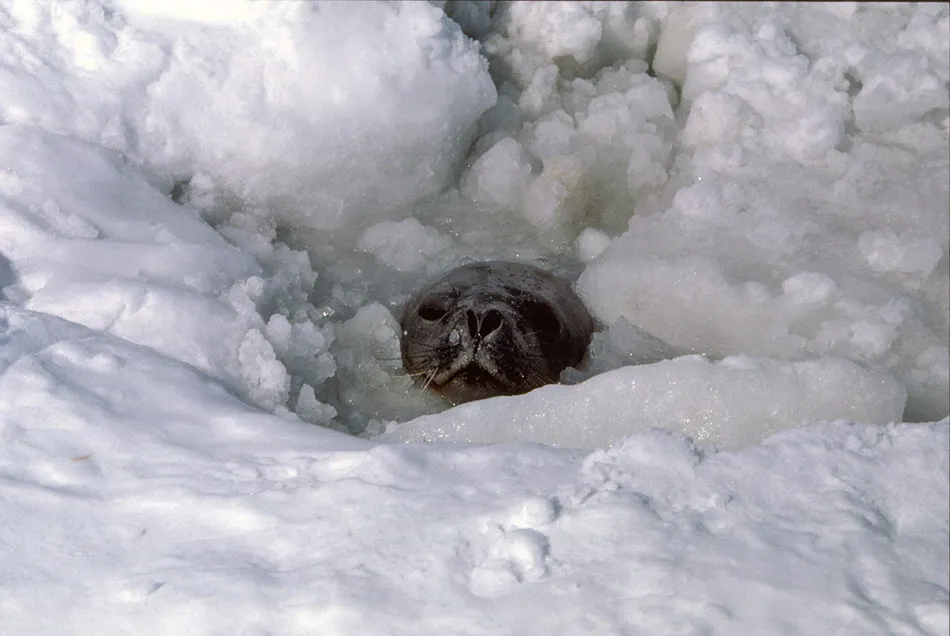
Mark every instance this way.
x=472 y=381
x=476 y=375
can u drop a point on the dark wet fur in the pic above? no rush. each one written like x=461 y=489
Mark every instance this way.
x=516 y=328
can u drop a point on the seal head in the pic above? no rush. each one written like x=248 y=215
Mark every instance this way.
x=493 y=328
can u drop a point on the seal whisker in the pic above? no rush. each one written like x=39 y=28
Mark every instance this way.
x=429 y=378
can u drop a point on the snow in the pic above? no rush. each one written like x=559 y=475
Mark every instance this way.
x=212 y=213
x=731 y=403
x=175 y=88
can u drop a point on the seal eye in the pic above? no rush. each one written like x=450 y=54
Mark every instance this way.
x=547 y=325
x=431 y=313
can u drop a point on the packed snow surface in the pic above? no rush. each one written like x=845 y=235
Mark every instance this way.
x=211 y=215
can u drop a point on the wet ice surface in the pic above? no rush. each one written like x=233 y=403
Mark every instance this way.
x=203 y=253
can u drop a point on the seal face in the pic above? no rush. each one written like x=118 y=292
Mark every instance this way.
x=493 y=328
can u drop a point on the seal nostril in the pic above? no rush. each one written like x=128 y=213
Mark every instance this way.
x=490 y=322
x=472 y=322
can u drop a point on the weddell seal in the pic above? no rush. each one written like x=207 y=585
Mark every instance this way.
x=493 y=328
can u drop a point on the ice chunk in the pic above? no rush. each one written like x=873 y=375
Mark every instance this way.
x=736 y=402
x=403 y=245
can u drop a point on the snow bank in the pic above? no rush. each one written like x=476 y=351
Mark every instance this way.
x=778 y=236
x=90 y=240
x=68 y=391
x=732 y=403
x=136 y=513
x=277 y=104
x=100 y=246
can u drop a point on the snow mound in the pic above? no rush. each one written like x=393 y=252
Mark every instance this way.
x=133 y=512
x=732 y=403
x=90 y=240
x=294 y=128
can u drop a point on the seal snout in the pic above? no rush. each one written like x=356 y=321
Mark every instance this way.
x=493 y=328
